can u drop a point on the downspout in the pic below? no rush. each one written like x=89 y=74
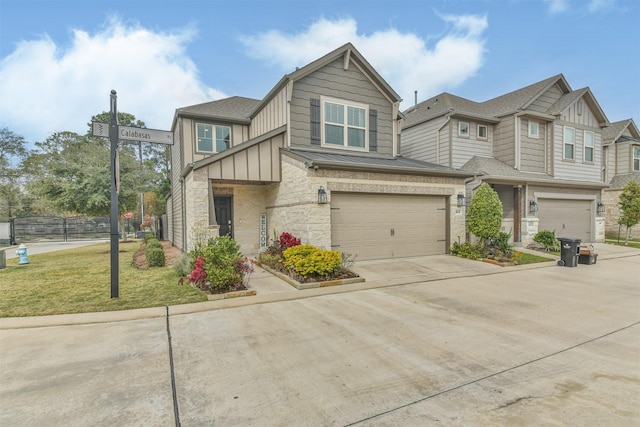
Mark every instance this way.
x=395 y=130
x=288 y=94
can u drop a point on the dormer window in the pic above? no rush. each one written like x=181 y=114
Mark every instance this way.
x=344 y=124
x=212 y=138
x=463 y=129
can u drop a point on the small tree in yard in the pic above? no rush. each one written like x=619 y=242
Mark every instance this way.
x=630 y=206
x=484 y=217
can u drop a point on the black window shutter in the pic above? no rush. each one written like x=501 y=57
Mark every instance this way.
x=373 y=130
x=315 y=121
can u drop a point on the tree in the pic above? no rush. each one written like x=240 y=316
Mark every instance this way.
x=629 y=203
x=12 y=154
x=484 y=217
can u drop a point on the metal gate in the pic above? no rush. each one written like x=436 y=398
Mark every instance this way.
x=34 y=228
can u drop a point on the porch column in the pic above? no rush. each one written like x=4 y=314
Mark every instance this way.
x=517 y=213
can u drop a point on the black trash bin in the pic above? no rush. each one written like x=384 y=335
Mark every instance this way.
x=569 y=251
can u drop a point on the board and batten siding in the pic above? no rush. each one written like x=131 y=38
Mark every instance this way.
x=272 y=116
x=503 y=141
x=532 y=150
x=463 y=148
x=580 y=115
x=576 y=169
x=176 y=219
x=348 y=85
x=419 y=142
x=547 y=99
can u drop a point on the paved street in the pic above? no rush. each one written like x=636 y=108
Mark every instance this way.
x=520 y=346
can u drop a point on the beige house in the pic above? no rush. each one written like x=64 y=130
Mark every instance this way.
x=318 y=157
x=621 y=159
x=540 y=147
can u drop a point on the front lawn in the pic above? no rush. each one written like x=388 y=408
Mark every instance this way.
x=527 y=258
x=79 y=281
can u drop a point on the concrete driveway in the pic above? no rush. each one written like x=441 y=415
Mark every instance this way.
x=519 y=346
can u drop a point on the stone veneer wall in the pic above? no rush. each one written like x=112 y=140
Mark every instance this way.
x=197 y=206
x=610 y=199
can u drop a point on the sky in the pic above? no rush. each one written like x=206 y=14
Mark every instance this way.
x=60 y=59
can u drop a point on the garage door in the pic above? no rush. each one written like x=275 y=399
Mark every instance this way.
x=376 y=226
x=569 y=218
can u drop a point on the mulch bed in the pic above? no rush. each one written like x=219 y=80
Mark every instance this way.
x=171 y=253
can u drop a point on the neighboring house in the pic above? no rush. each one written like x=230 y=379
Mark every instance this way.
x=540 y=147
x=317 y=157
x=621 y=159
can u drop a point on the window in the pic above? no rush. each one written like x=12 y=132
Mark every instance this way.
x=482 y=132
x=636 y=158
x=569 y=142
x=533 y=129
x=345 y=125
x=210 y=134
x=463 y=128
x=588 y=146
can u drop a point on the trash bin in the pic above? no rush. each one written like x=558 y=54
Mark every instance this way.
x=3 y=259
x=569 y=251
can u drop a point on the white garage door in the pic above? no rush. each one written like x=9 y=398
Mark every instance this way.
x=569 y=218
x=377 y=226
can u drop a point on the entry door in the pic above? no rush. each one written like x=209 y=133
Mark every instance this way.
x=224 y=214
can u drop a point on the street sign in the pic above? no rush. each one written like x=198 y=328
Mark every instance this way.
x=134 y=134
x=100 y=129
x=145 y=135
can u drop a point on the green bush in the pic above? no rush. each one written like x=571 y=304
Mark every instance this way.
x=182 y=266
x=547 y=238
x=155 y=257
x=222 y=258
x=149 y=235
x=469 y=250
x=153 y=243
x=500 y=246
x=484 y=216
x=308 y=260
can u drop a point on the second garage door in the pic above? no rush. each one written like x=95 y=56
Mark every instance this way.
x=569 y=218
x=376 y=226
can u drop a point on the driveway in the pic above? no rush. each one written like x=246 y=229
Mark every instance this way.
x=522 y=346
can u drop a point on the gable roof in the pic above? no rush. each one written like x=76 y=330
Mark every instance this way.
x=350 y=54
x=494 y=108
x=613 y=133
x=234 y=109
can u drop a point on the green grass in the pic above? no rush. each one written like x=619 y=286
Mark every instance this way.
x=79 y=281
x=527 y=258
x=632 y=243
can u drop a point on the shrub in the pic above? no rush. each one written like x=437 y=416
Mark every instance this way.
x=149 y=235
x=155 y=257
x=153 y=243
x=288 y=240
x=182 y=265
x=547 y=238
x=500 y=247
x=308 y=260
x=484 y=216
x=468 y=250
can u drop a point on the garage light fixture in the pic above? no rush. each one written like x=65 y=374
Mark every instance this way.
x=460 y=199
x=322 y=196
x=600 y=208
x=533 y=206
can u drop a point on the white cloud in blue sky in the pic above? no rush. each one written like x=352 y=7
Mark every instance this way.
x=404 y=59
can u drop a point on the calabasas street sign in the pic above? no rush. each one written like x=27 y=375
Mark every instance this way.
x=135 y=134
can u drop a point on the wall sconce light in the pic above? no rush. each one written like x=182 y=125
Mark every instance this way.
x=533 y=206
x=322 y=196
x=600 y=208
x=460 y=200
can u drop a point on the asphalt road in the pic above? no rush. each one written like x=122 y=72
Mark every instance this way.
x=545 y=346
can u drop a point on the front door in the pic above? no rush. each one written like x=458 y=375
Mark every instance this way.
x=224 y=214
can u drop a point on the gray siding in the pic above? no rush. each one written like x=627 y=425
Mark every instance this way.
x=463 y=149
x=272 y=116
x=532 y=150
x=503 y=141
x=505 y=192
x=584 y=116
x=419 y=142
x=623 y=158
x=577 y=169
x=349 y=85
x=176 y=219
x=546 y=100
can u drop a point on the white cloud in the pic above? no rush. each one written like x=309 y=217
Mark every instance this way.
x=403 y=59
x=599 y=5
x=557 y=6
x=47 y=89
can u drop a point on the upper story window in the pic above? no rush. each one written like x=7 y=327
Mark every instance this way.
x=212 y=138
x=345 y=124
x=569 y=143
x=588 y=146
x=463 y=128
x=482 y=132
x=636 y=158
x=534 y=129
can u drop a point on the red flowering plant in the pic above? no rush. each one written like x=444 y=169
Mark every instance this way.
x=288 y=240
x=198 y=276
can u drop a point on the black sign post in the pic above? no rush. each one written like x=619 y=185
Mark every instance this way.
x=115 y=235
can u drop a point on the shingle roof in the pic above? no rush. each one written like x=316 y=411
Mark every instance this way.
x=493 y=167
x=612 y=133
x=521 y=98
x=619 y=181
x=233 y=108
x=566 y=100
x=355 y=161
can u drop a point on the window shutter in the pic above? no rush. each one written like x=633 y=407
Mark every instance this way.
x=315 y=121
x=373 y=130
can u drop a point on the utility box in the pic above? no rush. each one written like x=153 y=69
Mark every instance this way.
x=569 y=251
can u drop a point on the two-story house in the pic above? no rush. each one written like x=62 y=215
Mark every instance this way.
x=621 y=158
x=540 y=147
x=318 y=157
